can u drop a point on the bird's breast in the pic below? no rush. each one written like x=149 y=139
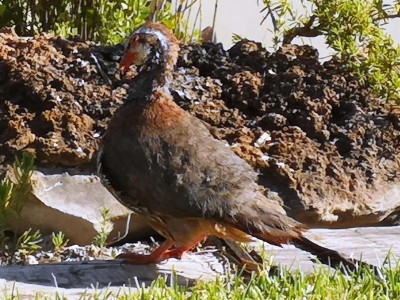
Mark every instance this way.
x=162 y=114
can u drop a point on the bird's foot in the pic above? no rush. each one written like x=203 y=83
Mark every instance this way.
x=176 y=252
x=154 y=257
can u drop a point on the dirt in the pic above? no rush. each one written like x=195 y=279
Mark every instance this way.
x=53 y=102
x=319 y=139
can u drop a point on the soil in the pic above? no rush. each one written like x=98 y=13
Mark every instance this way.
x=319 y=139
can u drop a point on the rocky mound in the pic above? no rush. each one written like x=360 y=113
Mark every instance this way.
x=53 y=102
x=320 y=140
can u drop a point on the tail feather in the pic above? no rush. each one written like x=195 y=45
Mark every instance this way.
x=269 y=225
x=278 y=229
x=325 y=255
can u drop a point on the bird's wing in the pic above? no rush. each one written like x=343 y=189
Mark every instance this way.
x=199 y=176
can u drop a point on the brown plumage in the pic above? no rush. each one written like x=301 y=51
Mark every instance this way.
x=166 y=165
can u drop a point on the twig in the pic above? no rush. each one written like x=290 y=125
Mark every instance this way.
x=307 y=31
x=214 y=19
x=101 y=70
x=269 y=13
x=195 y=21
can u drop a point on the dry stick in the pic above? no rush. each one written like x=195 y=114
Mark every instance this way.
x=78 y=17
x=307 y=31
x=195 y=22
x=119 y=237
x=41 y=17
x=155 y=7
x=137 y=10
x=161 y=9
x=188 y=8
x=187 y=19
x=152 y=9
x=273 y=20
x=175 y=15
x=31 y=7
x=181 y=13
x=163 y=5
x=100 y=69
x=201 y=15
x=83 y=19
x=178 y=14
x=214 y=20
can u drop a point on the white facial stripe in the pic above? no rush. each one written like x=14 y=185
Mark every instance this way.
x=161 y=37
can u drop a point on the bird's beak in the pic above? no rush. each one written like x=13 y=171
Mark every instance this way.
x=127 y=60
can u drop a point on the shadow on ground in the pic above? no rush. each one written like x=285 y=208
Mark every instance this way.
x=88 y=274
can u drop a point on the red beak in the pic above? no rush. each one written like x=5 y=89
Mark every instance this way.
x=130 y=55
x=127 y=60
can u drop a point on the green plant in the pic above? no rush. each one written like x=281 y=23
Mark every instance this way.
x=12 y=195
x=178 y=22
x=236 y=38
x=117 y=19
x=321 y=283
x=23 y=170
x=6 y=188
x=283 y=18
x=108 y=22
x=28 y=242
x=353 y=29
x=12 y=198
x=59 y=241
x=359 y=39
x=106 y=226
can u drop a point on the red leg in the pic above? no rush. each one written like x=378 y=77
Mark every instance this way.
x=180 y=251
x=177 y=252
x=156 y=256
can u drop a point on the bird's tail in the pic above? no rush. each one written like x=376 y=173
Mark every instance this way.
x=278 y=229
x=324 y=255
x=327 y=256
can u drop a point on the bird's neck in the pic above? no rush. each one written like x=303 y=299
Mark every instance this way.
x=152 y=77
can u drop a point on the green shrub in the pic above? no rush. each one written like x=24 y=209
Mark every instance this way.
x=353 y=28
x=108 y=22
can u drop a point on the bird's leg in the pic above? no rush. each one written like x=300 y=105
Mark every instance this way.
x=159 y=254
x=178 y=252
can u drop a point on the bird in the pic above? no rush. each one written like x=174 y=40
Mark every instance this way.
x=165 y=165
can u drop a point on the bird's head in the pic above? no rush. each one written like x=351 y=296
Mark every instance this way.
x=150 y=45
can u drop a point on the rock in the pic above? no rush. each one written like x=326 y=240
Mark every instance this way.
x=75 y=280
x=73 y=204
